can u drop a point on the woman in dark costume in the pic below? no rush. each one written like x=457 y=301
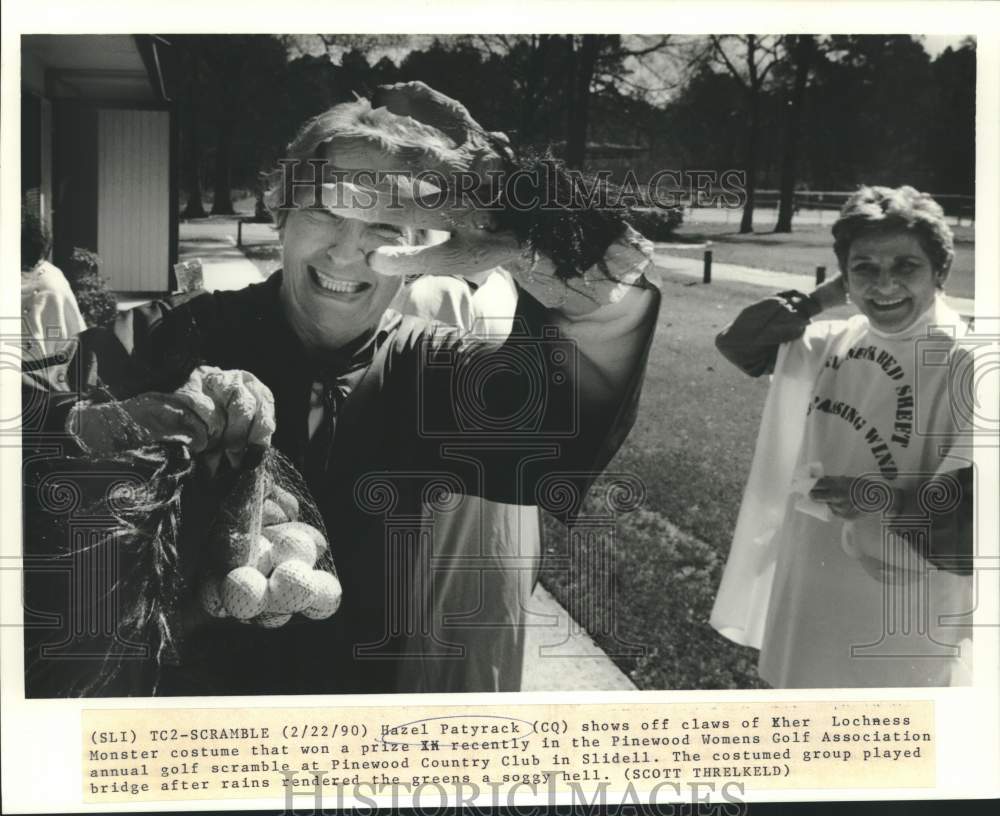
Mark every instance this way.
x=410 y=412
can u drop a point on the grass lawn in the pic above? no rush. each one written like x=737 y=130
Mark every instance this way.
x=691 y=445
x=810 y=246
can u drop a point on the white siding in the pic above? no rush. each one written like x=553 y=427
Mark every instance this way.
x=133 y=193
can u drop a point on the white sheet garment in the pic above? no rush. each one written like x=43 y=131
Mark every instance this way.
x=741 y=604
x=745 y=594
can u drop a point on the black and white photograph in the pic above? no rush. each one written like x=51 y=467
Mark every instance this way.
x=462 y=363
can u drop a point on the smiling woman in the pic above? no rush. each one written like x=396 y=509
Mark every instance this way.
x=383 y=413
x=896 y=251
x=329 y=291
x=836 y=538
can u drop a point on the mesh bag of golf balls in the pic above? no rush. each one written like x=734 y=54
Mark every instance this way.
x=267 y=554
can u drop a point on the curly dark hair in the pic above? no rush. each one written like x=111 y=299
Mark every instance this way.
x=885 y=209
x=35 y=240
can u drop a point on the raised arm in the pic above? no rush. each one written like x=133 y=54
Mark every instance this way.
x=752 y=340
x=555 y=400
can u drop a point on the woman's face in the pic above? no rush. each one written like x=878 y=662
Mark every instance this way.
x=890 y=278
x=331 y=295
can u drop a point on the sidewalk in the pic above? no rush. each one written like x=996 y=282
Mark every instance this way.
x=559 y=656
x=669 y=259
x=225 y=266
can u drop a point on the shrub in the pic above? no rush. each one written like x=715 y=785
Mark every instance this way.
x=97 y=303
x=656 y=223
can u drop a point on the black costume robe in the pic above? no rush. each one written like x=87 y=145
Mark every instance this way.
x=424 y=411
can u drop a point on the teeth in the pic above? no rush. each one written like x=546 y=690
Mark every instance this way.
x=335 y=285
x=889 y=302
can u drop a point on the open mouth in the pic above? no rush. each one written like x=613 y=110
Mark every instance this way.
x=334 y=285
x=889 y=304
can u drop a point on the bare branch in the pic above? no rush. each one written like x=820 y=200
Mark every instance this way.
x=486 y=44
x=641 y=52
x=774 y=50
x=720 y=52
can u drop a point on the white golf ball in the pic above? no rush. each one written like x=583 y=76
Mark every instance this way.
x=289 y=543
x=291 y=587
x=271 y=513
x=286 y=501
x=244 y=591
x=316 y=535
x=328 y=596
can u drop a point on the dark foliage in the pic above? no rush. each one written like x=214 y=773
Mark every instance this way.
x=97 y=303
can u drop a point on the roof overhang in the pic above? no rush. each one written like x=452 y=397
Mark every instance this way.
x=106 y=67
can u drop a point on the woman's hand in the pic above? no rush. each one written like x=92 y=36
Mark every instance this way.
x=414 y=129
x=830 y=294
x=849 y=497
x=835 y=492
x=215 y=411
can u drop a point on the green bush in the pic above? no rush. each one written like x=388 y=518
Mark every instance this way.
x=97 y=303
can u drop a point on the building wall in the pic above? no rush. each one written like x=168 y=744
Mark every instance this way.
x=133 y=197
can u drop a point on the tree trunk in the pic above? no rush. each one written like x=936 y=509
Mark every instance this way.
x=753 y=99
x=194 y=207
x=533 y=89
x=222 y=202
x=802 y=54
x=570 y=92
x=746 y=222
x=579 y=115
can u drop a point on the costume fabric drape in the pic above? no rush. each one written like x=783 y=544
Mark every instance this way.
x=829 y=607
x=486 y=553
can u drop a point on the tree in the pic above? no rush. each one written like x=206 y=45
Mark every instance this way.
x=235 y=102
x=878 y=100
x=749 y=59
x=801 y=53
x=189 y=104
x=582 y=61
x=952 y=142
x=558 y=77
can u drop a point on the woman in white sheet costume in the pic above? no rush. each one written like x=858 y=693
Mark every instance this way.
x=849 y=565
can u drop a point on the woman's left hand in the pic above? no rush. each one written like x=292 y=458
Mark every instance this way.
x=843 y=493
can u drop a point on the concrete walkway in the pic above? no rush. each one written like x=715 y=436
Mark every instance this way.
x=225 y=266
x=690 y=264
x=560 y=656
